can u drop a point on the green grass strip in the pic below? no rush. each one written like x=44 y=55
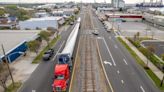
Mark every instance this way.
x=139 y=61
x=40 y=55
x=14 y=88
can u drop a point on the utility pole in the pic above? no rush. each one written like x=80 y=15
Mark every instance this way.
x=7 y=63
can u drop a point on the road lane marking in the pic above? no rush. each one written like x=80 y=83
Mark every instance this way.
x=142 y=89
x=109 y=52
x=115 y=46
x=103 y=66
x=122 y=81
x=125 y=61
x=118 y=71
x=33 y=90
x=58 y=50
x=105 y=62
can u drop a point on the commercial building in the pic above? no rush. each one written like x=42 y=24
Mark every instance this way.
x=64 y=12
x=118 y=3
x=41 y=23
x=41 y=14
x=8 y=22
x=155 y=19
x=124 y=17
x=14 y=42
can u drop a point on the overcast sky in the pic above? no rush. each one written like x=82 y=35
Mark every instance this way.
x=40 y=1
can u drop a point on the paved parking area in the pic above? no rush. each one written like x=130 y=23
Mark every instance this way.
x=158 y=45
x=131 y=28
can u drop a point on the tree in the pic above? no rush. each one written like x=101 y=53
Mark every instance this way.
x=45 y=35
x=33 y=46
x=151 y=48
x=147 y=53
x=162 y=56
x=21 y=14
x=135 y=37
x=2 y=12
x=138 y=35
x=3 y=75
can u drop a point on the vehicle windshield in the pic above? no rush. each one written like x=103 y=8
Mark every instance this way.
x=60 y=77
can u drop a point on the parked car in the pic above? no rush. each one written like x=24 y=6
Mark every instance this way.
x=95 y=32
x=48 y=54
x=109 y=29
x=71 y=23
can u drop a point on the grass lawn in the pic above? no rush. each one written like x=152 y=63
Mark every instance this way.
x=139 y=61
x=15 y=88
x=51 y=44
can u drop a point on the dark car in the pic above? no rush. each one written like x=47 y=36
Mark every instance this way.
x=48 y=54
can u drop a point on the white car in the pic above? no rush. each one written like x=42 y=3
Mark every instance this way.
x=95 y=32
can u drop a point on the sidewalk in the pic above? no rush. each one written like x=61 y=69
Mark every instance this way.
x=23 y=67
x=155 y=70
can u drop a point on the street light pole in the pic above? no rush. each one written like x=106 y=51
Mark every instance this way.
x=8 y=67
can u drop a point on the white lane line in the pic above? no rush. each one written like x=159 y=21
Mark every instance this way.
x=58 y=50
x=109 y=52
x=110 y=37
x=125 y=61
x=122 y=81
x=142 y=89
x=33 y=90
x=115 y=46
x=103 y=67
x=118 y=71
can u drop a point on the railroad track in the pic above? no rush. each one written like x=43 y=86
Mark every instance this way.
x=89 y=84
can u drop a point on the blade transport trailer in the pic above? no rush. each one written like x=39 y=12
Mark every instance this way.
x=64 y=66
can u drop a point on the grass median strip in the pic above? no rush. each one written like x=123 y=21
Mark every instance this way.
x=51 y=44
x=14 y=88
x=148 y=71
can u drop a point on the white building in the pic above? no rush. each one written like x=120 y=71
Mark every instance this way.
x=41 y=23
x=41 y=14
x=118 y=3
x=64 y=12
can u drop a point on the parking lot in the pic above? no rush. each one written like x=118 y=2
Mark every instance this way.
x=131 y=28
x=158 y=45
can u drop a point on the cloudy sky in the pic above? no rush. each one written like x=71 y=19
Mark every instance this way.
x=38 y=1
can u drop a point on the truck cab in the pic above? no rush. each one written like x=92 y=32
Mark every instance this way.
x=65 y=59
x=61 y=74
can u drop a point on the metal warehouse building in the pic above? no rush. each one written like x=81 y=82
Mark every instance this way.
x=41 y=23
x=14 y=42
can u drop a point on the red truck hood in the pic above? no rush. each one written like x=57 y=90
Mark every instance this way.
x=60 y=69
x=61 y=83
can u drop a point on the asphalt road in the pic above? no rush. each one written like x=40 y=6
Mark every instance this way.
x=122 y=70
x=42 y=78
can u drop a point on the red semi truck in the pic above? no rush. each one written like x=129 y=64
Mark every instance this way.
x=61 y=74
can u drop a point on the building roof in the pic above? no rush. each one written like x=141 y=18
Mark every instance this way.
x=12 y=38
x=122 y=14
x=44 y=18
x=161 y=17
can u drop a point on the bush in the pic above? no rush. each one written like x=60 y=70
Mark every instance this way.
x=135 y=43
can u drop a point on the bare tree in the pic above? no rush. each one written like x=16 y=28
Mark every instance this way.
x=33 y=46
x=3 y=75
